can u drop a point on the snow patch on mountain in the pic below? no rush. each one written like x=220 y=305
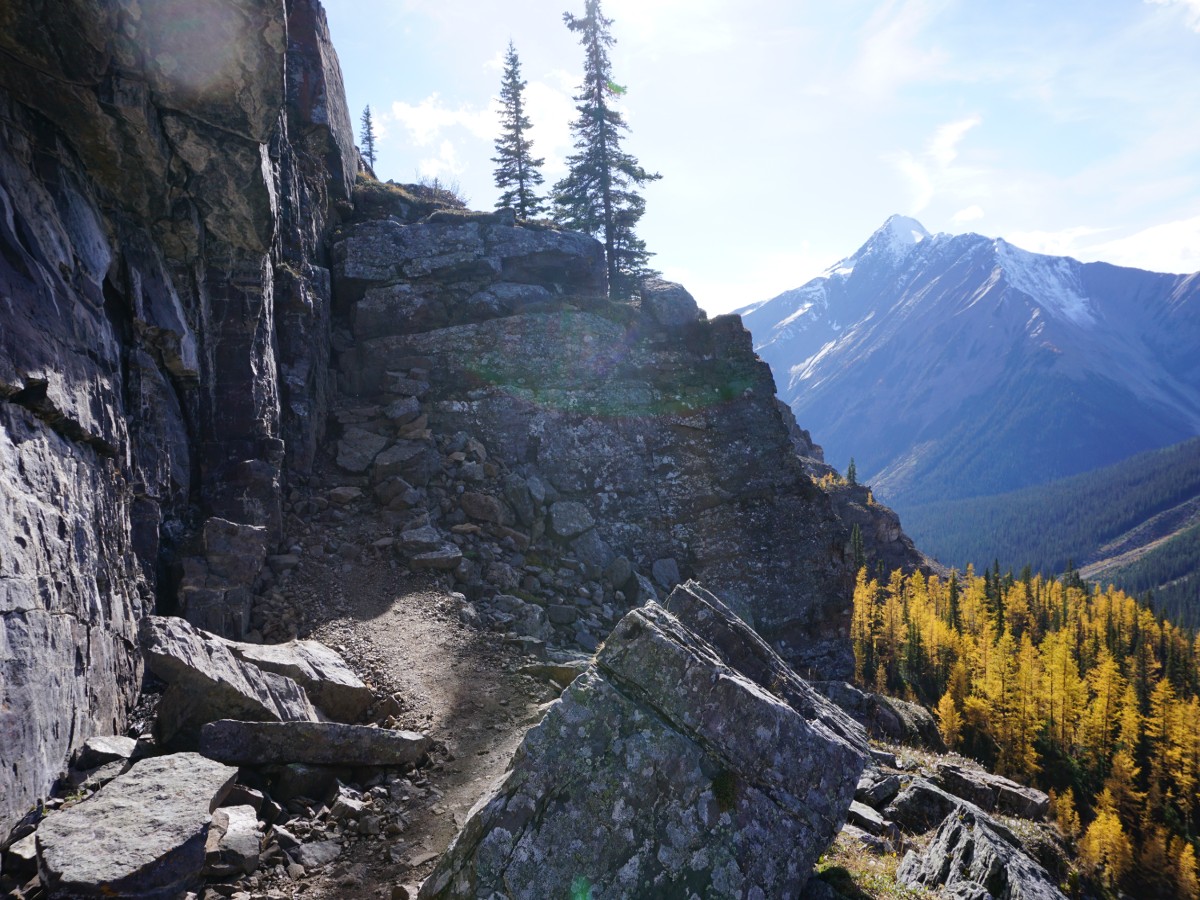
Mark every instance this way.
x=1050 y=281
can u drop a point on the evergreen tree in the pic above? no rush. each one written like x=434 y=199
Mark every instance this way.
x=517 y=172
x=856 y=547
x=852 y=472
x=599 y=195
x=366 y=136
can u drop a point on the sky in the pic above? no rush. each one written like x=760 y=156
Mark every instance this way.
x=787 y=132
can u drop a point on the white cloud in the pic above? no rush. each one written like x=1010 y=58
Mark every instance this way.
x=1065 y=242
x=1169 y=247
x=971 y=213
x=1166 y=247
x=428 y=119
x=446 y=163
x=1191 y=10
x=943 y=146
x=893 y=50
x=933 y=170
x=551 y=110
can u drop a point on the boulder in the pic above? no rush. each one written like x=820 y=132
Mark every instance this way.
x=443 y=559
x=877 y=788
x=142 y=835
x=358 y=448
x=483 y=507
x=992 y=792
x=314 y=743
x=329 y=683
x=665 y=573
x=707 y=785
x=569 y=518
x=206 y=681
x=862 y=816
x=971 y=859
x=101 y=749
x=668 y=303
x=922 y=806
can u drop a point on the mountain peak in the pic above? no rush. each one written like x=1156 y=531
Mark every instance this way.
x=893 y=240
x=902 y=230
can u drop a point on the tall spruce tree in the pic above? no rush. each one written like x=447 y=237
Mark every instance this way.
x=600 y=192
x=366 y=136
x=517 y=172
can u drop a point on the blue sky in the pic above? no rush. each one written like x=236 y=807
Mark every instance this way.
x=786 y=133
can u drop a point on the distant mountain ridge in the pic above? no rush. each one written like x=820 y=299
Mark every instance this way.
x=954 y=366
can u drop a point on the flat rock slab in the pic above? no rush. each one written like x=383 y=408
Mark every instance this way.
x=315 y=743
x=329 y=682
x=206 y=681
x=142 y=835
x=661 y=772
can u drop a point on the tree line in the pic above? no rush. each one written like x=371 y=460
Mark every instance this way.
x=1080 y=691
x=601 y=193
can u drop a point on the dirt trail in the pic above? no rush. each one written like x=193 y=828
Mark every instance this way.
x=401 y=632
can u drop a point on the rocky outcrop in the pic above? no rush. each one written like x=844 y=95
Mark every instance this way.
x=992 y=792
x=975 y=862
x=164 y=193
x=662 y=770
x=640 y=431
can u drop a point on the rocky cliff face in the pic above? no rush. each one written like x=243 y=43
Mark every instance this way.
x=166 y=179
x=648 y=434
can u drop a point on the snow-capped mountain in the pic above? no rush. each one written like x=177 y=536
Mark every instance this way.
x=959 y=365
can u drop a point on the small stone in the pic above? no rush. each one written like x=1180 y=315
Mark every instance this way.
x=569 y=518
x=345 y=495
x=318 y=853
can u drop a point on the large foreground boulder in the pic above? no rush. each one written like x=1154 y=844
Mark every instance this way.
x=974 y=861
x=141 y=835
x=206 y=681
x=661 y=771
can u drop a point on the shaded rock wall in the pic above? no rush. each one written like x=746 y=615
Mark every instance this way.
x=167 y=172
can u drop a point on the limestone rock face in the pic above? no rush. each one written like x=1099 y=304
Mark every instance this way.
x=656 y=430
x=164 y=343
x=141 y=835
x=707 y=784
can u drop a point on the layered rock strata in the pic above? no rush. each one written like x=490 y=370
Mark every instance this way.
x=165 y=185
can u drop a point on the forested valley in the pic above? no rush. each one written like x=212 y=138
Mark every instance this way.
x=1080 y=691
